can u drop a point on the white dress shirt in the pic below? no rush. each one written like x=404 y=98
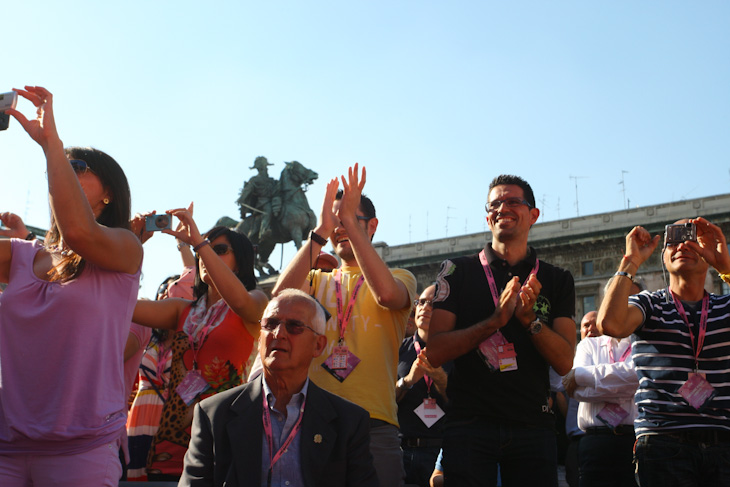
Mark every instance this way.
x=602 y=378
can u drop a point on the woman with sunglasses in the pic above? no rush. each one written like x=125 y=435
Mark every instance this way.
x=215 y=334
x=64 y=320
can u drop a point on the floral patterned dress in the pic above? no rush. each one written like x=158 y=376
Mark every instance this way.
x=221 y=347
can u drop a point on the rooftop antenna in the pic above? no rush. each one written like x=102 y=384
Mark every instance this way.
x=575 y=179
x=623 y=188
x=426 y=224
x=448 y=218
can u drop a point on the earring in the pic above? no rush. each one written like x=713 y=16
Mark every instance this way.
x=106 y=201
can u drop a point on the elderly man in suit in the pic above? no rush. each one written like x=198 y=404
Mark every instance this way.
x=281 y=429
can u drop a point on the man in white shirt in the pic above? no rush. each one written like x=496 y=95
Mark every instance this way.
x=604 y=380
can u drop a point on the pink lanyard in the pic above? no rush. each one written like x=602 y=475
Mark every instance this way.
x=162 y=355
x=623 y=356
x=270 y=435
x=343 y=315
x=490 y=276
x=202 y=335
x=703 y=324
x=426 y=378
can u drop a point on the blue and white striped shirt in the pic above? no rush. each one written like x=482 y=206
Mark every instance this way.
x=664 y=356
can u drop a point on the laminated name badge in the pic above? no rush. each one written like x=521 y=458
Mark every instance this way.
x=191 y=386
x=341 y=362
x=498 y=354
x=429 y=412
x=612 y=415
x=697 y=391
x=507 y=357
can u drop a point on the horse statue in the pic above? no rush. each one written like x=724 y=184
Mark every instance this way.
x=292 y=219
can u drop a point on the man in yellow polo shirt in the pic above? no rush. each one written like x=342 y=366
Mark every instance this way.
x=369 y=304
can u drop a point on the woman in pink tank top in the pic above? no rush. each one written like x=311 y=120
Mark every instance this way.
x=64 y=319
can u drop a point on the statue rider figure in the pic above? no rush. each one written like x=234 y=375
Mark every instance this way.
x=259 y=198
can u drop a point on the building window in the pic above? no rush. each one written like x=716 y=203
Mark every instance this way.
x=589 y=304
x=588 y=268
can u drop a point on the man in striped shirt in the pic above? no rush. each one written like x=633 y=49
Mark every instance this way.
x=682 y=357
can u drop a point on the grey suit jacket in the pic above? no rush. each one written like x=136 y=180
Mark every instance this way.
x=227 y=430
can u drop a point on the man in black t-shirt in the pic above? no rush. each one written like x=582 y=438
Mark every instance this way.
x=504 y=317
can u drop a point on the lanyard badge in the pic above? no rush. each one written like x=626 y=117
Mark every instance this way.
x=697 y=391
x=342 y=361
x=498 y=354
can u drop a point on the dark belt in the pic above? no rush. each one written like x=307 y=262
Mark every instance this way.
x=421 y=442
x=620 y=430
x=708 y=437
x=374 y=423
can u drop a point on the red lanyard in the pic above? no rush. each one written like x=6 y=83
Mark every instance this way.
x=273 y=458
x=703 y=324
x=343 y=315
x=626 y=353
x=490 y=276
x=426 y=378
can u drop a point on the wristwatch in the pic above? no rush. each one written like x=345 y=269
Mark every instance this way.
x=401 y=384
x=535 y=327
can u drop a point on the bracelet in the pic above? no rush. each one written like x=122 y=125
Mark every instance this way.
x=182 y=245
x=30 y=236
x=201 y=245
x=724 y=277
x=625 y=274
x=315 y=237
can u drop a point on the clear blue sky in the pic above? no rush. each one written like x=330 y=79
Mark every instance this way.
x=434 y=98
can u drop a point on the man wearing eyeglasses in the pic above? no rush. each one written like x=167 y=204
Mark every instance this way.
x=369 y=303
x=281 y=429
x=681 y=355
x=504 y=317
x=421 y=396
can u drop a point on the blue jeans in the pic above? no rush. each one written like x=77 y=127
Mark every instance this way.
x=472 y=449
x=665 y=461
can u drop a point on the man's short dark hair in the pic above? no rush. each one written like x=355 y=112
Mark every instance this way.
x=366 y=205
x=517 y=181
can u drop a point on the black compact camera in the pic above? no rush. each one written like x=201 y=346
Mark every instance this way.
x=155 y=223
x=678 y=233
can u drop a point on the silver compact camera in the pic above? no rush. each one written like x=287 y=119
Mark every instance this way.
x=155 y=223
x=7 y=100
x=678 y=233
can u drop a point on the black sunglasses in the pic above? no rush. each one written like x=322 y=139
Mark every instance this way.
x=293 y=327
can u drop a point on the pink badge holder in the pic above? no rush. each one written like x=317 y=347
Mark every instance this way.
x=697 y=391
x=338 y=358
x=192 y=386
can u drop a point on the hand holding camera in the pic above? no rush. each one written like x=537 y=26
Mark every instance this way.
x=186 y=231
x=42 y=129
x=710 y=244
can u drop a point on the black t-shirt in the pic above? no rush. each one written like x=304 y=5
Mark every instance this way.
x=411 y=425
x=518 y=396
